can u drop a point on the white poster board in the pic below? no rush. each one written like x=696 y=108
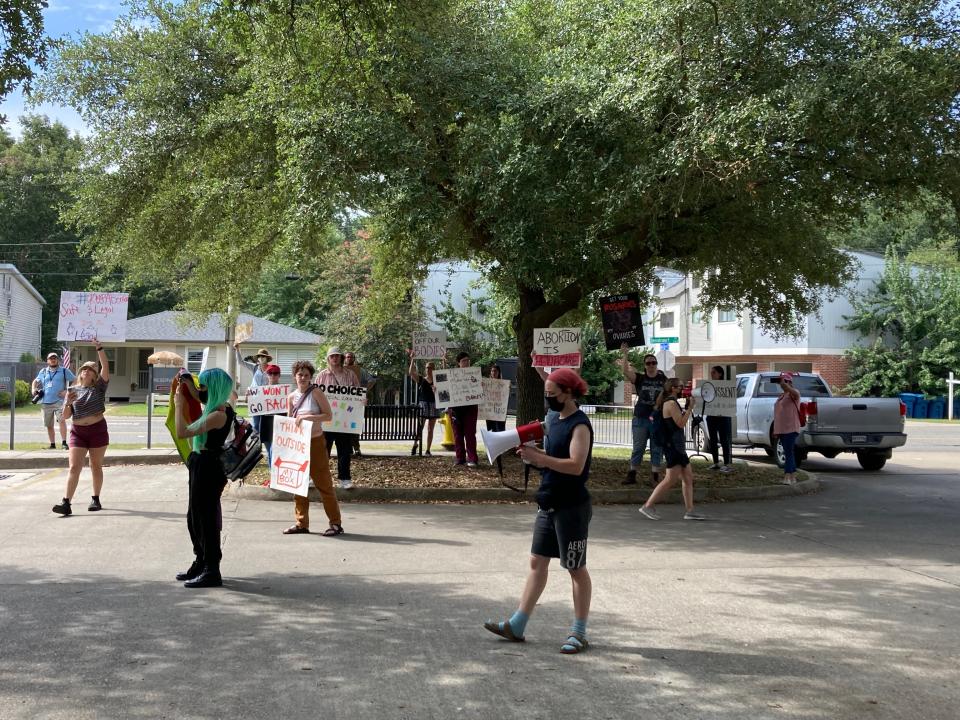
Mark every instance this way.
x=86 y=317
x=268 y=399
x=290 y=469
x=243 y=332
x=347 y=403
x=205 y=358
x=429 y=344
x=457 y=387
x=496 y=395
x=718 y=398
x=557 y=347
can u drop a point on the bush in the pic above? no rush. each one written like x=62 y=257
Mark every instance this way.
x=23 y=395
x=27 y=358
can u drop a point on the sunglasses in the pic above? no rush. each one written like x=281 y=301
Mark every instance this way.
x=650 y=362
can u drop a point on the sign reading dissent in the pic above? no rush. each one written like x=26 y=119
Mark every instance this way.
x=86 y=317
x=557 y=347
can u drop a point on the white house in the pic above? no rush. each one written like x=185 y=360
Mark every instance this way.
x=165 y=331
x=21 y=311
x=734 y=340
x=448 y=281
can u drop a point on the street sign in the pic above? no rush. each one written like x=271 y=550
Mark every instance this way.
x=664 y=346
x=664 y=340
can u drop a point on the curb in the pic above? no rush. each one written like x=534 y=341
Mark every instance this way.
x=466 y=495
x=62 y=461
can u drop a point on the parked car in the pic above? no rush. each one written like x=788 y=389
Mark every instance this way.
x=869 y=427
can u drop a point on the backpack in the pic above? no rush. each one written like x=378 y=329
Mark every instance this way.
x=241 y=449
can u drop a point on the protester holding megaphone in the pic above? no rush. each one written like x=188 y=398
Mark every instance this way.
x=564 y=513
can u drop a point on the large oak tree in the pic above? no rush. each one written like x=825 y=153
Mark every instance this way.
x=567 y=147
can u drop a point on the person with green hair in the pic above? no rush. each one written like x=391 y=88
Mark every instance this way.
x=207 y=477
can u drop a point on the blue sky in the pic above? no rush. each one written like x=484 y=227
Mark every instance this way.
x=64 y=18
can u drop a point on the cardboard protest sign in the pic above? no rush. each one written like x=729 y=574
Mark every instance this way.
x=347 y=403
x=243 y=332
x=93 y=316
x=290 y=468
x=718 y=397
x=496 y=396
x=620 y=317
x=457 y=387
x=268 y=399
x=557 y=347
x=429 y=344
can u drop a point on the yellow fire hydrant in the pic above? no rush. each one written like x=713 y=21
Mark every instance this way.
x=447 y=431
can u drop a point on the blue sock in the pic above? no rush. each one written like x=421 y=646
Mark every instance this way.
x=579 y=627
x=518 y=623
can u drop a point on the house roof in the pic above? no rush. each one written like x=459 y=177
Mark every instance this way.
x=164 y=327
x=12 y=269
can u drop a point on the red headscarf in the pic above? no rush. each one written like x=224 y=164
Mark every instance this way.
x=569 y=381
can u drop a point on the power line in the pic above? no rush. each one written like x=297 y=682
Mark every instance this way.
x=40 y=244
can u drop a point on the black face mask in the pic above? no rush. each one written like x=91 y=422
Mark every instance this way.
x=554 y=403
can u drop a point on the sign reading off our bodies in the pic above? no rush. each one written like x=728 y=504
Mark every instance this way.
x=268 y=399
x=346 y=403
x=429 y=344
x=457 y=387
x=620 y=317
x=86 y=317
x=496 y=396
x=557 y=347
x=290 y=469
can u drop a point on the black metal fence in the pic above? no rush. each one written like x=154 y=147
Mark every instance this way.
x=391 y=422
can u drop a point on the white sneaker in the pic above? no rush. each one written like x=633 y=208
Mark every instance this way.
x=727 y=469
x=691 y=515
x=649 y=513
x=471 y=465
x=346 y=484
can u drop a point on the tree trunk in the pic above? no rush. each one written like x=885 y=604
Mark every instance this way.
x=529 y=384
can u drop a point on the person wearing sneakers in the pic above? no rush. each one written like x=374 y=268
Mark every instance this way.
x=256 y=364
x=85 y=403
x=720 y=430
x=206 y=476
x=564 y=513
x=463 y=419
x=427 y=401
x=308 y=403
x=648 y=387
x=786 y=424
x=337 y=375
x=53 y=381
x=675 y=451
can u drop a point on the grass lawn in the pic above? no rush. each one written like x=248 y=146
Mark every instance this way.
x=140 y=410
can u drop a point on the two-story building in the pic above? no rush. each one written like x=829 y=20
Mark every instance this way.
x=736 y=341
x=21 y=314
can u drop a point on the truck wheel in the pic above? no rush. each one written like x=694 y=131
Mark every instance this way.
x=781 y=457
x=871 y=461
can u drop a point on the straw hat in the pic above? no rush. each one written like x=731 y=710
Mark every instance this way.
x=91 y=365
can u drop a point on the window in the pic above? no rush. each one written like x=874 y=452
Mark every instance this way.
x=695 y=280
x=666 y=320
x=709 y=329
x=194 y=360
x=742 y=387
x=727 y=315
x=696 y=317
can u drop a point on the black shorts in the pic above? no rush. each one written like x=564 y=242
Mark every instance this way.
x=564 y=528
x=675 y=457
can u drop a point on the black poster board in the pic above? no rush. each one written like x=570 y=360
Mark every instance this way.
x=620 y=316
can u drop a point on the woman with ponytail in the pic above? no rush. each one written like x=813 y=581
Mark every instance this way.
x=207 y=478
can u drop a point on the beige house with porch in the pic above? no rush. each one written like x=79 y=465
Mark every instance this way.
x=166 y=331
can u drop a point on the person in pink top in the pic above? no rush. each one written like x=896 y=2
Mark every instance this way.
x=308 y=403
x=786 y=424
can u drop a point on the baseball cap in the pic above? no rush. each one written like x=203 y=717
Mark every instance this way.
x=334 y=350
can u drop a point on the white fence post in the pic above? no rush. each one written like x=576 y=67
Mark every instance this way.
x=950 y=383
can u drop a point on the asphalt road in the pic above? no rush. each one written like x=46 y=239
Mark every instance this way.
x=840 y=605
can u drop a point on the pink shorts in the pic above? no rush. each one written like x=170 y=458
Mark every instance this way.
x=89 y=436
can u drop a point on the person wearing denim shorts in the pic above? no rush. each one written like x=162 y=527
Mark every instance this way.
x=648 y=386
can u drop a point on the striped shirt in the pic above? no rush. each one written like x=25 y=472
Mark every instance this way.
x=90 y=400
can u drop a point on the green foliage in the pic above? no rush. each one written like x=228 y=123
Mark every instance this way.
x=914 y=321
x=565 y=147
x=22 y=43
x=32 y=192
x=22 y=395
x=27 y=358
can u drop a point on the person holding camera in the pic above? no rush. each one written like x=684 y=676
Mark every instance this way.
x=206 y=473
x=675 y=450
x=85 y=403
x=786 y=424
x=565 y=510
x=49 y=389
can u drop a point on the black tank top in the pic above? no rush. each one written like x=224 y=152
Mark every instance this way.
x=559 y=490
x=216 y=438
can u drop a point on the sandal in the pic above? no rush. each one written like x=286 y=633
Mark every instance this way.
x=333 y=530
x=574 y=644
x=296 y=530
x=504 y=630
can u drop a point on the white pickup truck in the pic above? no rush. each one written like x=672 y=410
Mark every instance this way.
x=869 y=427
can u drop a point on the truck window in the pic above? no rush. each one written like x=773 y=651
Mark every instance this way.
x=807 y=385
x=742 y=387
